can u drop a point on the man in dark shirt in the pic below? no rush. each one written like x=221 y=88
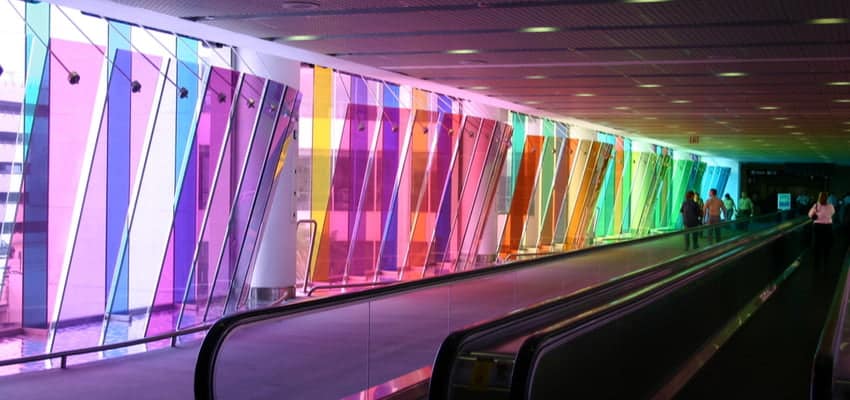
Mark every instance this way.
x=690 y=217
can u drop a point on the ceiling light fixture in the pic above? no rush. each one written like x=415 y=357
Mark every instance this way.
x=828 y=21
x=842 y=100
x=535 y=77
x=798 y=133
x=479 y=87
x=649 y=85
x=780 y=118
x=462 y=51
x=532 y=102
x=789 y=126
x=622 y=108
x=584 y=95
x=722 y=122
x=299 y=5
x=300 y=38
x=838 y=83
x=680 y=101
x=650 y=118
x=731 y=74
x=768 y=108
x=540 y=29
x=472 y=62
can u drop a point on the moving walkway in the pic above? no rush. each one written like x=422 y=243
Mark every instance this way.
x=337 y=346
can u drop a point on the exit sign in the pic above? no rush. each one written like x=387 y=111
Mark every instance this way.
x=693 y=139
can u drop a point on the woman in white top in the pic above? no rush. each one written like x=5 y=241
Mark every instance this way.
x=821 y=213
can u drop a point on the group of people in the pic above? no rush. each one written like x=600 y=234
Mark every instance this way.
x=712 y=211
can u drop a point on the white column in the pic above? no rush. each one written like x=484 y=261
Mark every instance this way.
x=274 y=269
x=274 y=272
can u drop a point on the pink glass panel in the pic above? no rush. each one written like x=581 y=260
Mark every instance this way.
x=71 y=109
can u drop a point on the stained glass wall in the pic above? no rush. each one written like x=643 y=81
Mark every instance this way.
x=142 y=169
x=142 y=165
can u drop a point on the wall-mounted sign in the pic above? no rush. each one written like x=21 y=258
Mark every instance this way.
x=783 y=201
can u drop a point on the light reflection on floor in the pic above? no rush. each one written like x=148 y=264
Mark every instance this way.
x=87 y=335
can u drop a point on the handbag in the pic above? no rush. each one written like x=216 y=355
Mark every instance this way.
x=815 y=215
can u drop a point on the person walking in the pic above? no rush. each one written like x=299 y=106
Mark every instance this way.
x=713 y=208
x=745 y=210
x=821 y=214
x=690 y=218
x=730 y=206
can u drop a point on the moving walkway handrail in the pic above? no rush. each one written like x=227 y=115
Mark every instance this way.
x=218 y=332
x=590 y=297
x=829 y=343
x=537 y=343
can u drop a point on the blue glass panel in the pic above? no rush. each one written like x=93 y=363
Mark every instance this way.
x=185 y=217
x=35 y=214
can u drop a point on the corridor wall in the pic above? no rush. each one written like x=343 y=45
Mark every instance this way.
x=145 y=167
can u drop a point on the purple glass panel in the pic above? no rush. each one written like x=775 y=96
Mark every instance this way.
x=217 y=168
x=258 y=139
x=262 y=200
x=360 y=255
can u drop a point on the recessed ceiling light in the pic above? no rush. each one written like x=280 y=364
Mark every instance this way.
x=847 y=130
x=650 y=118
x=846 y=122
x=299 y=5
x=789 y=126
x=479 y=87
x=300 y=38
x=680 y=101
x=838 y=83
x=584 y=95
x=649 y=85
x=535 y=77
x=540 y=29
x=722 y=122
x=472 y=62
x=462 y=51
x=842 y=100
x=767 y=108
x=532 y=102
x=828 y=21
x=731 y=74
x=622 y=108
x=798 y=133
x=780 y=118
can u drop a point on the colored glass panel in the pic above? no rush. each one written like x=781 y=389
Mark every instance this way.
x=526 y=180
x=559 y=191
x=214 y=159
x=256 y=200
x=33 y=242
x=255 y=131
x=321 y=165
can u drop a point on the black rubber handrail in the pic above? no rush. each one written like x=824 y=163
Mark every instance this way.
x=205 y=365
x=823 y=365
x=605 y=292
x=535 y=343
